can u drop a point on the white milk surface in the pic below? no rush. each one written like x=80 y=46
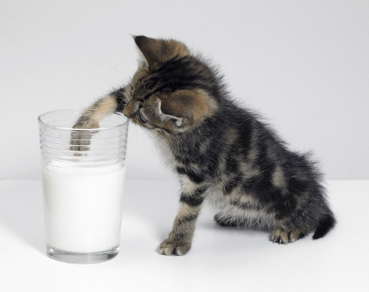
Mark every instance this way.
x=83 y=206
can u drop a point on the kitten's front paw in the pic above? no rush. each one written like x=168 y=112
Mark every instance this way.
x=79 y=141
x=171 y=247
x=80 y=138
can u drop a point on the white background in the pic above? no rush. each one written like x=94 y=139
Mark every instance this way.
x=304 y=65
x=220 y=260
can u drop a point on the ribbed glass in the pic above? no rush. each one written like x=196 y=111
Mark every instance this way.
x=83 y=190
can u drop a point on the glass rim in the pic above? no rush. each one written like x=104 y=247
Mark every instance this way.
x=42 y=117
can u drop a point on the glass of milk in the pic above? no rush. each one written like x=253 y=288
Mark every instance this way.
x=83 y=190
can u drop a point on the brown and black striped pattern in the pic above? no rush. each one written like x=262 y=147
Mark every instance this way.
x=221 y=152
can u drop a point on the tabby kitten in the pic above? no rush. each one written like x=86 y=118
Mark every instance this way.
x=221 y=152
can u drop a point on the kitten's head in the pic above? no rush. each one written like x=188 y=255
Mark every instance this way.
x=172 y=90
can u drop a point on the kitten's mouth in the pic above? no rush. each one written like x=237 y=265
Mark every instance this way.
x=136 y=120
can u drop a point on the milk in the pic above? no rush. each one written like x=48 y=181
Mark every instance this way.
x=83 y=206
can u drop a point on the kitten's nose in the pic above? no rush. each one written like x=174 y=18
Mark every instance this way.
x=128 y=111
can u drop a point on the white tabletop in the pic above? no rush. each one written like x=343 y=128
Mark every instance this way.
x=221 y=259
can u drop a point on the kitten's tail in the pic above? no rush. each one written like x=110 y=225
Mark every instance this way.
x=325 y=224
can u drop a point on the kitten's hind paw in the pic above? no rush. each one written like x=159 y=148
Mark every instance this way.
x=171 y=247
x=282 y=236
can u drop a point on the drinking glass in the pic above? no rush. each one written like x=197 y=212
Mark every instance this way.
x=82 y=190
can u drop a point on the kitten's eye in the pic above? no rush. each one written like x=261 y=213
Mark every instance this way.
x=142 y=118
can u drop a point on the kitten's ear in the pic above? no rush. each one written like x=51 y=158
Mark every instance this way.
x=157 y=51
x=165 y=117
x=187 y=107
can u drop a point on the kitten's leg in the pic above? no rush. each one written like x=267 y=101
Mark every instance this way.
x=180 y=238
x=225 y=220
x=93 y=115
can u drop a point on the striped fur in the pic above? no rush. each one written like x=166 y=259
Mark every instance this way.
x=221 y=152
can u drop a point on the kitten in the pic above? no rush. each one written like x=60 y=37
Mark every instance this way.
x=221 y=152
